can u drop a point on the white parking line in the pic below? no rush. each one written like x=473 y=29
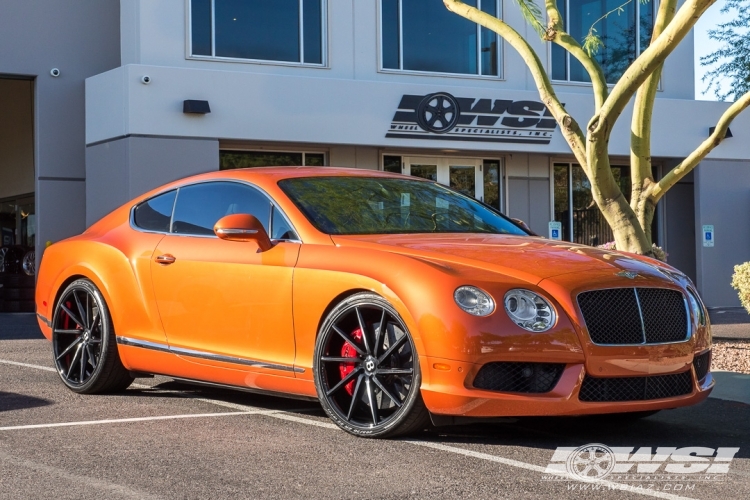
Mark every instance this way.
x=124 y=420
x=606 y=485
x=26 y=365
x=282 y=415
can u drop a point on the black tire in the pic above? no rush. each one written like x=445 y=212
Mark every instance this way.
x=385 y=401
x=92 y=338
x=13 y=294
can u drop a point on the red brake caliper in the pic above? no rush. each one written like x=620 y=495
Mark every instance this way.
x=347 y=351
x=66 y=319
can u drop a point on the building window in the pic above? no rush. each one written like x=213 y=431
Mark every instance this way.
x=392 y=164
x=422 y=35
x=625 y=36
x=481 y=179
x=247 y=159
x=279 y=30
x=582 y=221
x=492 y=183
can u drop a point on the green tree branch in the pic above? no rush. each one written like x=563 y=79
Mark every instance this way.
x=600 y=126
x=640 y=130
x=692 y=160
x=570 y=129
x=556 y=33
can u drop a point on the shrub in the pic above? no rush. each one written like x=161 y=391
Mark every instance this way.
x=741 y=283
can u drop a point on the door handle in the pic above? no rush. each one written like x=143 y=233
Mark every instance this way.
x=165 y=259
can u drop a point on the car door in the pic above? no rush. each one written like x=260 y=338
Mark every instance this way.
x=226 y=301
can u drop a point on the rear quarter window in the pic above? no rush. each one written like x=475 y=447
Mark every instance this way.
x=155 y=214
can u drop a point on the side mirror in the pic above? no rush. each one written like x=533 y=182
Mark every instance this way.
x=243 y=227
x=524 y=225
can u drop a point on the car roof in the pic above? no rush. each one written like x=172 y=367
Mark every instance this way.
x=279 y=173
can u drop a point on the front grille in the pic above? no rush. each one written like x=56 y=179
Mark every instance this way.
x=535 y=378
x=619 y=316
x=596 y=389
x=702 y=364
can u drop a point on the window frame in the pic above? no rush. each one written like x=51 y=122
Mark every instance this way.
x=500 y=53
x=324 y=35
x=303 y=152
x=272 y=204
x=654 y=5
x=503 y=192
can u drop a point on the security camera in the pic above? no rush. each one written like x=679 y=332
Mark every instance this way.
x=54 y=72
x=145 y=79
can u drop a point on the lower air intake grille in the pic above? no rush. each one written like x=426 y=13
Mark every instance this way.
x=702 y=364
x=533 y=378
x=636 y=388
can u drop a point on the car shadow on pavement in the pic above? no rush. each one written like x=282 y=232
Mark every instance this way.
x=10 y=401
x=19 y=326
x=179 y=389
x=713 y=423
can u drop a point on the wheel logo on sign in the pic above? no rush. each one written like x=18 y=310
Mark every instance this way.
x=438 y=113
x=591 y=462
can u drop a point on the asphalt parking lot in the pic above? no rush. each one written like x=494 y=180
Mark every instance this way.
x=161 y=439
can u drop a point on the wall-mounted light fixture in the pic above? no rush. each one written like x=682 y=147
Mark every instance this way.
x=195 y=107
x=726 y=136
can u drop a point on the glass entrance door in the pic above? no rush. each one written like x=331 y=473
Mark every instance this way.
x=462 y=174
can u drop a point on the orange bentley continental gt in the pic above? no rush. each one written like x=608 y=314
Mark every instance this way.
x=390 y=299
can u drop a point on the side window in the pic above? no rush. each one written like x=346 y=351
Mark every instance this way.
x=278 y=30
x=200 y=206
x=280 y=228
x=155 y=214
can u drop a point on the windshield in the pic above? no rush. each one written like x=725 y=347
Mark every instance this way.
x=382 y=205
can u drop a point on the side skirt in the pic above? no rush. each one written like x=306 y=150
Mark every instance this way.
x=145 y=344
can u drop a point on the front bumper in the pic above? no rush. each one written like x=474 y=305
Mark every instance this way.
x=449 y=392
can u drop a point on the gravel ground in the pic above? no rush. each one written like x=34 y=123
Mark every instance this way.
x=731 y=356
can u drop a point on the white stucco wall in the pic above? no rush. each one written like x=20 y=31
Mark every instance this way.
x=303 y=109
x=155 y=33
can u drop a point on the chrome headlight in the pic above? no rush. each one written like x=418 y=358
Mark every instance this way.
x=529 y=310
x=696 y=305
x=474 y=301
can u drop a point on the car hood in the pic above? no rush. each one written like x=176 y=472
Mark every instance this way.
x=531 y=259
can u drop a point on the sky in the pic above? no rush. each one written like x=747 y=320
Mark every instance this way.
x=704 y=45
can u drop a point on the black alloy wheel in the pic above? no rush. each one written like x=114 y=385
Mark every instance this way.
x=367 y=369
x=83 y=342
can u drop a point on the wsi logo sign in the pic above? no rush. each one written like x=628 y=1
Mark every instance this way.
x=596 y=462
x=443 y=116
